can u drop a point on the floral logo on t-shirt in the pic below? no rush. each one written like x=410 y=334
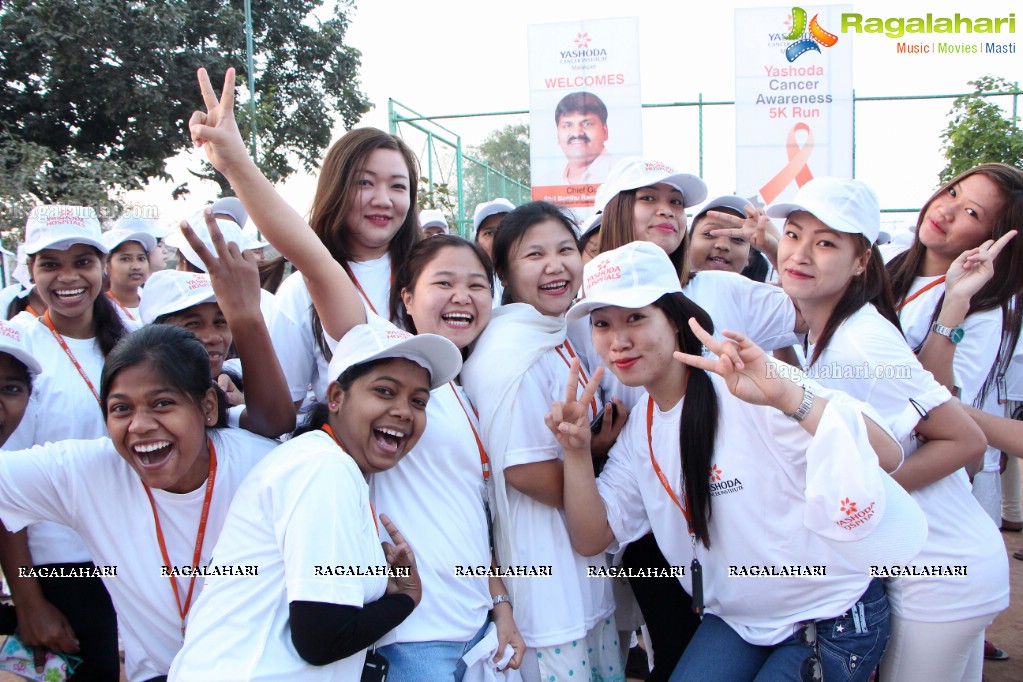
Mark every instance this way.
x=848 y=507
x=715 y=472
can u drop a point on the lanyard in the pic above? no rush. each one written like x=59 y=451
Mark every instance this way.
x=31 y=311
x=918 y=292
x=373 y=512
x=71 y=356
x=365 y=296
x=199 y=537
x=484 y=460
x=120 y=305
x=695 y=569
x=582 y=372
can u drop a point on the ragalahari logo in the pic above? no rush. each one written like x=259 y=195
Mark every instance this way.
x=582 y=40
x=848 y=507
x=803 y=44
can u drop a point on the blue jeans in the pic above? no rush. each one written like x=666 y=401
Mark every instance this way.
x=717 y=652
x=418 y=661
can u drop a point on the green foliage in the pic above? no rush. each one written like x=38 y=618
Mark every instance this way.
x=100 y=92
x=440 y=197
x=979 y=130
x=504 y=154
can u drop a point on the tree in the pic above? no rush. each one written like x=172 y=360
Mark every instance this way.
x=103 y=89
x=505 y=152
x=979 y=131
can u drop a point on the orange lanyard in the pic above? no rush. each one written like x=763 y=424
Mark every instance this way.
x=582 y=372
x=32 y=312
x=373 y=512
x=71 y=356
x=484 y=460
x=121 y=305
x=656 y=466
x=695 y=569
x=199 y=537
x=918 y=292
x=365 y=296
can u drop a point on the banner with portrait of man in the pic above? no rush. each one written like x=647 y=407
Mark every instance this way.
x=584 y=105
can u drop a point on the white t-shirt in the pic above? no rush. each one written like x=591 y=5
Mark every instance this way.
x=435 y=498
x=88 y=486
x=761 y=311
x=1014 y=374
x=302 y=514
x=62 y=406
x=292 y=332
x=758 y=495
x=563 y=607
x=869 y=359
x=974 y=355
x=8 y=294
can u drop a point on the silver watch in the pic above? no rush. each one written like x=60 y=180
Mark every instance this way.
x=804 y=406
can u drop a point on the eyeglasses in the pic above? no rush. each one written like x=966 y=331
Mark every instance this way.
x=812 y=669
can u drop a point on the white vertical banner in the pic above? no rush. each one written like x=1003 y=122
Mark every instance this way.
x=585 y=111
x=793 y=99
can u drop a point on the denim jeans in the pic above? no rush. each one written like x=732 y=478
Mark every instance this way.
x=717 y=652
x=418 y=661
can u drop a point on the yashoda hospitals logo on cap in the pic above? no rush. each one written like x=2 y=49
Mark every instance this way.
x=804 y=42
x=848 y=506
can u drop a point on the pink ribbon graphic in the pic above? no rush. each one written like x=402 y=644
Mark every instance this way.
x=796 y=169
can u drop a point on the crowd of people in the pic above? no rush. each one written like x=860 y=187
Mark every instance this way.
x=426 y=457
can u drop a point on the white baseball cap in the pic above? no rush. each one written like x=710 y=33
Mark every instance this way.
x=730 y=201
x=232 y=233
x=231 y=206
x=114 y=238
x=852 y=504
x=134 y=224
x=380 y=340
x=12 y=342
x=170 y=291
x=634 y=172
x=489 y=208
x=431 y=217
x=843 y=205
x=60 y=227
x=590 y=225
x=250 y=233
x=631 y=276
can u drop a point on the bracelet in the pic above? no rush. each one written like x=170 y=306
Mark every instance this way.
x=502 y=599
x=804 y=406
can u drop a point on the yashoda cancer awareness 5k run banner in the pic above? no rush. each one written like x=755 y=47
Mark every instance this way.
x=793 y=99
x=585 y=106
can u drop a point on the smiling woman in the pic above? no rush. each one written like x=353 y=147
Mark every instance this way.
x=71 y=339
x=170 y=472
x=324 y=590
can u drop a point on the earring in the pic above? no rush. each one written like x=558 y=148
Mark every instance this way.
x=333 y=406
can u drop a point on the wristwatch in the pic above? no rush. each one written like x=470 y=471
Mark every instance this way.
x=953 y=334
x=502 y=599
x=804 y=406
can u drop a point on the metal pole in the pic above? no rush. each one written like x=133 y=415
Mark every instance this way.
x=700 y=110
x=252 y=75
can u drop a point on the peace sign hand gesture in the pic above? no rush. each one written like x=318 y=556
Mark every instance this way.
x=216 y=130
x=569 y=420
x=746 y=369
x=974 y=268
x=757 y=229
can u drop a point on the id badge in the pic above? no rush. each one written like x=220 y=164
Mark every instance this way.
x=375 y=667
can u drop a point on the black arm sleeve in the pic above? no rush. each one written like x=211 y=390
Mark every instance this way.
x=323 y=633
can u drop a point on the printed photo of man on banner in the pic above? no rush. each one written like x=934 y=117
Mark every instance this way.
x=585 y=106
x=793 y=99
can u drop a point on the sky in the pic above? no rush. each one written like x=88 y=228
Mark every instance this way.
x=470 y=57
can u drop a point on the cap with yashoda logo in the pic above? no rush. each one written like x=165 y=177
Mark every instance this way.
x=634 y=172
x=61 y=227
x=631 y=276
x=381 y=340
